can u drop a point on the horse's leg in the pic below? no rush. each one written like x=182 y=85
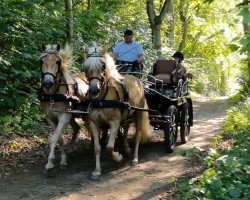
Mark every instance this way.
x=76 y=129
x=63 y=162
x=114 y=126
x=125 y=139
x=138 y=125
x=95 y=131
x=62 y=122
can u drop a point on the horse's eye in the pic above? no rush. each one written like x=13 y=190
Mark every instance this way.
x=58 y=62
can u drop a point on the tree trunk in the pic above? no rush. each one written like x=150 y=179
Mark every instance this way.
x=185 y=22
x=156 y=22
x=89 y=5
x=69 y=23
x=170 y=33
x=246 y=28
x=157 y=37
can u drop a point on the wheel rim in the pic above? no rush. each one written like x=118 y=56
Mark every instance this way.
x=186 y=123
x=173 y=129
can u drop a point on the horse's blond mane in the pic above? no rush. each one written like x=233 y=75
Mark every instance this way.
x=67 y=57
x=96 y=59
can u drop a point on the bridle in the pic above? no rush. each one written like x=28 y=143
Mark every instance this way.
x=102 y=78
x=58 y=62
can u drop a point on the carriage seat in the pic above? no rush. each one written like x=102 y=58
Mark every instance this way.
x=165 y=71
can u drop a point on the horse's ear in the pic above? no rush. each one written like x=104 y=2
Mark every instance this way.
x=105 y=49
x=85 y=48
x=43 y=47
x=58 y=46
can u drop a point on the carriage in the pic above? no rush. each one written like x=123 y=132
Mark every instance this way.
x=169 y=101
x=111 y=101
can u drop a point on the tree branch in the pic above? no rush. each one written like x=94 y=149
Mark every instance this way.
x=164 y=9
x=151 y=12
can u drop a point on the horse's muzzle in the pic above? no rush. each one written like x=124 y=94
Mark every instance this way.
x=48 y=81
x=94 y=91
x=47 y=85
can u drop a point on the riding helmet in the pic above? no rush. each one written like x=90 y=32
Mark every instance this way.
x=178 y=54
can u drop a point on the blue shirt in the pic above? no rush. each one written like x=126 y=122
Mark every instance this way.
x=128 y=52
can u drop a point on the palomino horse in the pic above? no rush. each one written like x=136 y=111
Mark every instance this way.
x=105 y=86
x=57 y=88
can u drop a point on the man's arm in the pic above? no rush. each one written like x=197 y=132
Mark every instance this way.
x=140 y=52
x=113 y=55
x=141 y=58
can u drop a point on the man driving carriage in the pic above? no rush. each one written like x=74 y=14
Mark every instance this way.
x=128 y=54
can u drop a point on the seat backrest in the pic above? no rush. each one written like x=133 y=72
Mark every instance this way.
x=164 y=67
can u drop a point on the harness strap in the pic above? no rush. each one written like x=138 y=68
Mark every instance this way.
x=125 y=91
x=105 y=104
x=57 y=98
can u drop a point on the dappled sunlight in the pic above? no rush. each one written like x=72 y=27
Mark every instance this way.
x=150 y=179
x=150 y=175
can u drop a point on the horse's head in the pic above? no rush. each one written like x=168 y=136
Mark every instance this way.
x=54 y=64
x=95 y=68
x=81 y=86
x=50 y=62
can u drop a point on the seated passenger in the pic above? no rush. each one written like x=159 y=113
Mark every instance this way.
x=129 y=52
x=179 y=57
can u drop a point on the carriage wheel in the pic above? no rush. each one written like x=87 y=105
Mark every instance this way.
x=171 y=129
x=184 y=123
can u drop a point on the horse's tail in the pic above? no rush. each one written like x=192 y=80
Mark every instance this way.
x=146 y=128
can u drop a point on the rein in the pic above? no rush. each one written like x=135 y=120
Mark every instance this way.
x=57 y=98
x=114 y=104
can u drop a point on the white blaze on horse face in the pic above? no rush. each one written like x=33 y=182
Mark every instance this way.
x=50 y=67
x=50 y=64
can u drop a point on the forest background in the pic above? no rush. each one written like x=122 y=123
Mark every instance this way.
x=213 y=34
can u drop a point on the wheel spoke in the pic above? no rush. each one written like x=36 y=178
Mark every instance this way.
x=170 y=133
x=185 y=126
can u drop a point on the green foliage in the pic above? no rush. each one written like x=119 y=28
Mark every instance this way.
x=24 y=120
x=238 y=118
x=212 y=48
x=190 y=152
x=19 y=45
x=228 y=173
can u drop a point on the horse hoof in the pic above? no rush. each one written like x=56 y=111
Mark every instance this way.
x=119 y=158
x=96 y=175
x=47 y=172
x=135 y=162
x=62 y=167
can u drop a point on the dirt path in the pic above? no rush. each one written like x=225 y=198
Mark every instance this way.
x=151 y=179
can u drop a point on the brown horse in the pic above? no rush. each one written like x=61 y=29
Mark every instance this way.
x=57 y=88
x=105 y=85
